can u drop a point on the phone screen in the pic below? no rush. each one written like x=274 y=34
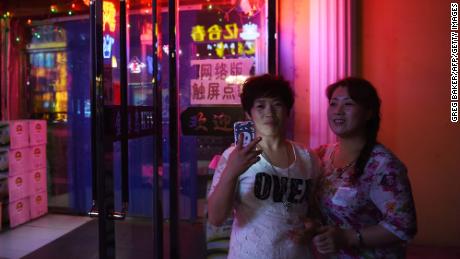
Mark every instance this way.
x=245 y=127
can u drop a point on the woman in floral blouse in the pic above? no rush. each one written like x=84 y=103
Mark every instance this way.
x=365 y=195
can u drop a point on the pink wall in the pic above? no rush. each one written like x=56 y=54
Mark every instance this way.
x=294 y=61
x=406 y=54
x=405 y=51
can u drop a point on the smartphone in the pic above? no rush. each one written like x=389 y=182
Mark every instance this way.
x=248 y=130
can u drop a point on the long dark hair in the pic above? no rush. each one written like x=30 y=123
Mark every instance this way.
x=366 y=96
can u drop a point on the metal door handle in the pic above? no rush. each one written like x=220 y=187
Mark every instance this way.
x=94 y=213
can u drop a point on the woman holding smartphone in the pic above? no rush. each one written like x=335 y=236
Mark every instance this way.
x=365 y=194
x=267 y=183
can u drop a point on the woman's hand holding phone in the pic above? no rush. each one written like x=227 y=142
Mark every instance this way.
x=242 y=157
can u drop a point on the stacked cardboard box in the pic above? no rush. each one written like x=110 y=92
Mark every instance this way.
x=38 y=198
x=23 y=164
x=3 y=193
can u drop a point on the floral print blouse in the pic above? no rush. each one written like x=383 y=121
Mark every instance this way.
x=381 y=195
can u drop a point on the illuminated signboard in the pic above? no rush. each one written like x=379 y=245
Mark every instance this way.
x=250 y=32
x=221 y=49
x=219 y=80
x=135 y=66
x=109 y=15
x=215 y=32
x=225 y=40
x=210 y=121
x=107 y=45
x=227 y=32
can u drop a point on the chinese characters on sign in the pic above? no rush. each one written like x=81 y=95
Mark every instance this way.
x=109 y=25
x=226 y=40
x=230 y=31
x=215 y=32
x=219 y=80
x=109 y=16
x=210 y=121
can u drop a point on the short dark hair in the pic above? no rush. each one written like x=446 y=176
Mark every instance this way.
x=365 y=95
x=266 y=86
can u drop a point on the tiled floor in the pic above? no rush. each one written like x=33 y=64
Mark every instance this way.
x=24 y=239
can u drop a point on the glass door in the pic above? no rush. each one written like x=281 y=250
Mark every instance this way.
x=185 y=63
x=139 y=98
x=126 y=121
x=57 y=80
x=219 y=45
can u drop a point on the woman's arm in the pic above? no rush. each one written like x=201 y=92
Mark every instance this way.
x=331 y=239
x=314 y=211
x=391 y=194
x=222 y=193
x=221 y=199
x=313 y=218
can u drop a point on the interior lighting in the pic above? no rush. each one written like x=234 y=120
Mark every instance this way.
x=53 y=8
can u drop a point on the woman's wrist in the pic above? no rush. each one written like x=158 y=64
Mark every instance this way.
x=229 y=177
x=353 y=238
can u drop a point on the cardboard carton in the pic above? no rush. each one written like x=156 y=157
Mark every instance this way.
x=37 y=181
x=37 y=157
x=14 y=161
x=14 y=134
x=18 y=187
x=38 y=204
x=37 y=132
x=19 y=212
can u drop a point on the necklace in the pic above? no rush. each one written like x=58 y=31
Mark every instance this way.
x=342 y=169
x=286 y=204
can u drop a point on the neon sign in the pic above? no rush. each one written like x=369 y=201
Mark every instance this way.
x=250 y=32
x=215 y=32
x=114 y=62
x=108 y=16
x=107 y=45
x=225 y=40
x=135 y=65
x=222 y=49
x=198 y=33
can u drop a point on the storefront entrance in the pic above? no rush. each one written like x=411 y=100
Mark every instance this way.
x=138 y=96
